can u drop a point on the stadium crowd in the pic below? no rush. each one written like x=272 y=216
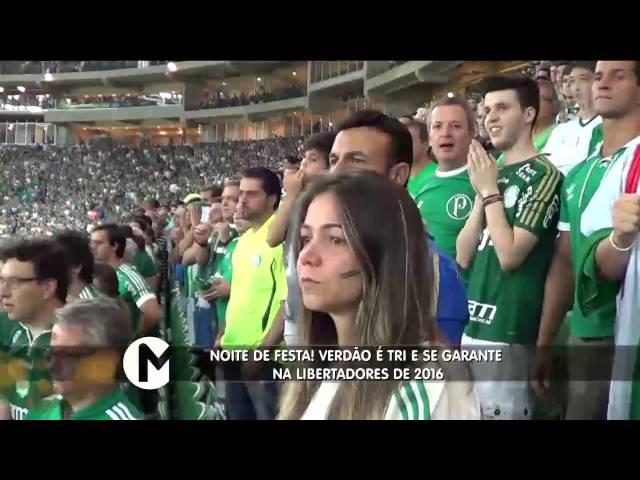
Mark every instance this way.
x=261 y=95
x=507 y=221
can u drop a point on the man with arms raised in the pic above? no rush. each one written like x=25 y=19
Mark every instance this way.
x=370 y=140
x=507 y=242
x=33 y=285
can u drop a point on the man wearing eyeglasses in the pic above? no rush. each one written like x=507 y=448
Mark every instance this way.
x=87 y=341
x=33 y=285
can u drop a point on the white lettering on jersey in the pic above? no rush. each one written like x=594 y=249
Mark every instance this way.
x=485 y=240
x=522 y=201
x=551 y=211
x=526 y=173
x=481 y=312
x=18 y=413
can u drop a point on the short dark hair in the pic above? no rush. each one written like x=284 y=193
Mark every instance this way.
x=455 y=101
x=232 y=182
x=401 y=148
x=128 y=233
x=526 y=89
x=292 y=160
x=587 y=65
x=216 y=190
x=153 y=202
x=116 y=236
x=270 y=181
x=143 y=220
x=322 y=142
x=108 y=279
x=49 y=262
x=76 y=247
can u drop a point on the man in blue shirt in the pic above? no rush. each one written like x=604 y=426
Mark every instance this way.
x=370 y=140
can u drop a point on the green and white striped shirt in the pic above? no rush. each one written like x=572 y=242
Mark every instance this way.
x=134 y=290
x=89 y=292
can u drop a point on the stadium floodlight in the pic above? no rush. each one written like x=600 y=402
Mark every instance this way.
x=172 y=67
x=450 y=95
x=1 y=89
x=48 y=77
x=294 y=73
x=21 y=89
x=259 y=79
x=224 y=84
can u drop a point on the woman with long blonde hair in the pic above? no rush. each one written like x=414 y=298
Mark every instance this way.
x=361 y=254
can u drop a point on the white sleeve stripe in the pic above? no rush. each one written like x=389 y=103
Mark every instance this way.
x=118 y=410
x=564 y=226
x=419 y=404
x=126 y=411
x=405 y=401
x=112 y=415
x=136 y=279
x=142 y=300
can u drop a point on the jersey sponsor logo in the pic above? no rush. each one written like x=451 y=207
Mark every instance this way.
x=22 y=388
x=511 y=196
x=459 y=206
x=570 y=190
x=481 y=312
x=551 y=211
x=526 y=173
x=522 y=201
x=146 y=363
x=18 y=413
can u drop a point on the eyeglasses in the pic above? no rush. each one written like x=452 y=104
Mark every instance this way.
x=13 y=282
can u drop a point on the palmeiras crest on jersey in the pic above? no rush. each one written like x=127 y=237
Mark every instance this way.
x=459 y=206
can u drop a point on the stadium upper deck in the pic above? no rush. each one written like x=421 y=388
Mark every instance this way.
x=200 y=101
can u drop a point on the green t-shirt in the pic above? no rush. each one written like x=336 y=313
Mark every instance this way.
x=416 y=183
x=445 y=202
x=27 y=380
x=144 y=264
x=505 y=306
x=225 y=270
x=134 y=290
x=112 y=406
x=596 y=138
x=577 y=190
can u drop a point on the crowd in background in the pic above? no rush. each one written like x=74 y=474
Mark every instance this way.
x=490 y=221
x=261 y=95
x=45 y=188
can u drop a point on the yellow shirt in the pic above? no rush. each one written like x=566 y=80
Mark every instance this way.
x=258 y=287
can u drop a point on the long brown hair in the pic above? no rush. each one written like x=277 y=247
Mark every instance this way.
x=384 y=229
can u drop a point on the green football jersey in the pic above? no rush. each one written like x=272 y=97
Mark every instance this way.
x=134 y=290
x=113 y=406
x=225 y=270
x=7 y=329
x=506 y=306
x=596 y=139
x=144 y=264
x=445 y=202
x=416 y=183
x=577 y=190
x=29 y=379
